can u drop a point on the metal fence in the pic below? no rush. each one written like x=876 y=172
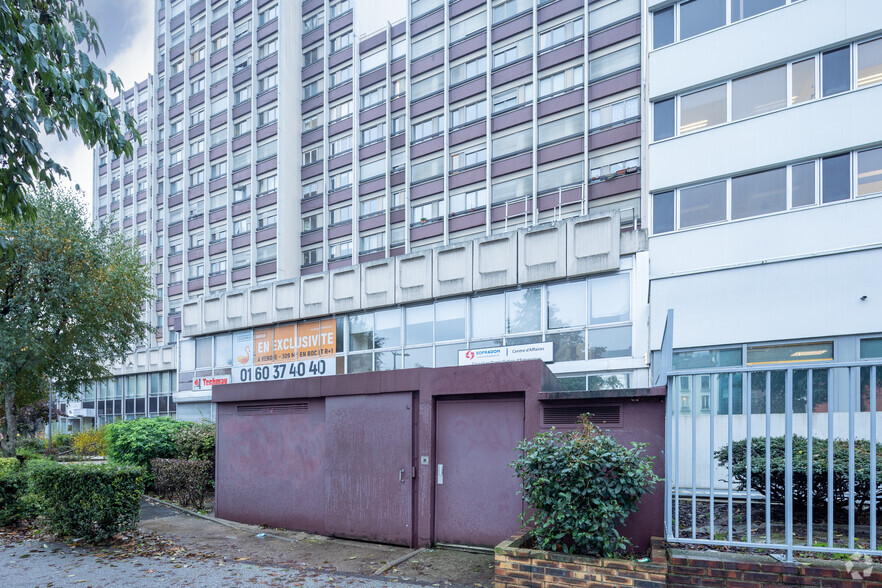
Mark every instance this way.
x=748 y=454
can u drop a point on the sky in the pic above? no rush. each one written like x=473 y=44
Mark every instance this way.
x=126 y=27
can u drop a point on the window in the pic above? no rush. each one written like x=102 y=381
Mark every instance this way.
x=421 y=7
x=266 y=253
x=269 y=115
x=699 y=16
x=399 y=49
x=218 y=266
x=561 y=34
x=219 y=74
x=197 y=117
x=341 y=76
x=268 y=15
x=614 y=163
x=219 y=43
x=241 y=259
x=218 y=170
x=219 y=137
x=176 y=157
x=512 y=189
x=748 y=8
x=242 y=29
x=340 y=8
x=703 y=109
x=614 y=63
x=218 y=233
x=663 y=212
x=836 y=71
x=339 y=111
x=340 y=181
x=869 y=58
x=176 y=127
x=267 y=82
x=267 y=149
x=197 y=147
x=340 y=145
x=427 y=169
x=427 y=211
x=373 y=134
x=803 y=184
x=197 y=24
x=176 y=97
x=373 y=61
x=562 y=128
x=562 y=176
x=312 y=155
x=512 y=97
x=241 y=226
x=175 y=187
x=241 y=159
x=468 y=26
x=836 y=178
x=197 y=55
x=468 y=200
x=241 y=95
x=176 y=215
x=312 y=256
x=340 y=250
x=427 y=86
x=373 y=97
x=340 y=215
x=373 y=205
x=268 y=48
x=701 y=205
x=196 y=271
x=398 y=125
x=759 y=93
x=612 y=13
x=468 y=70
x=803 y=81
x=241 y=192
x=313 y=21
x=561 y=81
x=267 y=184
x=371 y=243
x=341 y=42
x=759 y=193
x=312 y=189
x=311 y=222
x=241 y=127
x=426 y=44
x=468 y=113
x=176 y=67
x=311 y=89
x=219 y=105
x=615 y=114
x=514 y=52
x=242 y=63
x=313 y=55
x=869 y=172
x=512 y=143
x=469 y=157
x=509 y=9
x=197 y=178
x=427 y=128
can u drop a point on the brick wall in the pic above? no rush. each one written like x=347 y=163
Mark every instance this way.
x=530 y=568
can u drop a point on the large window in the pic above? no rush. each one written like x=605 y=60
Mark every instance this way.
x=614 y=63
x=869 y=59
x=699 y=16
x=703 y=109
x=759 y=93
x=700 y=205
x=612 y=13
x=759 y=193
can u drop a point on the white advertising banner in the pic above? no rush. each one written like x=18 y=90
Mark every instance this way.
x=285 y=371
x=209 y=382
x=543 y=351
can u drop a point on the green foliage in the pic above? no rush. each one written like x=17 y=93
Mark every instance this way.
x=185 y=481
x=32 y=444
x=8 y=464
x=93 y=501
x=60 y=441
x=91 y=442
x=581 y=485
x=50 y=85
x=70 y=301
x=138 y=441
x=12 y=487
x=196 y=441
x=777 y=488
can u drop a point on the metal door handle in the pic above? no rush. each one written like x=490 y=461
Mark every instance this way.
x=440 y=473
x=401 y=475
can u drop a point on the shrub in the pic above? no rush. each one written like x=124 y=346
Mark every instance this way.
x=60 y=441
x=30 y=445
x=581 y=485
x=91 y=442
x=196 y=441
x=12 y=486
x=777 y=487
x=93 y=501
x=137 y=442
x=8 y=464
x=185 y=481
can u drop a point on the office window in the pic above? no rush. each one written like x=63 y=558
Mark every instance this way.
x=341 y=110
x=242 y=127
x=312 y=189
x=747 y=8
x=560 y=81
x=662 y=27
x=514 y=52
x=373 y=205
x=373 y=134
x=341 y=76
x=869 y=59
x=312 y=155
x=427 y=86
x=313 y=55
x=509 y=9
x=615 y=113
x=311 y=222
x=836 y=178
x=512 y=98
x=311 y=256
x=803 y=184
x=340 y=145
x=663 y=212
x=759 y=193
x=373 y=61
x=468 y=200
x=340 y=180
x=561 y=33
x=469 y=157
x=372 y=169
x=512 y=143
x=836 y=71
x=703 y=109
x=373 y=97
x=568 y=126
x=561 y=177
x=869 y=172
x=762 y=92
x=266 y=253
x=426 y=44
x=467 y=70
x=699 y=16
x=427 y=128
x=468 y=113
x=512 y=189
x=340 y=250
x=803 y=80
x=341 y=42
x=700 y=205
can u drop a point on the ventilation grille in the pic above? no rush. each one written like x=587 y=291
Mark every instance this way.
x=568 y=416
x=273 y=408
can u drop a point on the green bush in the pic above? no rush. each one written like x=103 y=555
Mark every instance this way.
x=580 y=486
x=12 y=487
x=196 y=441
x=777 y=487
x=93 y=501
x=185 y=481
x=91 y=442
x=30 y=445
x=60 y=441
x=8 y=464
x=138 y=441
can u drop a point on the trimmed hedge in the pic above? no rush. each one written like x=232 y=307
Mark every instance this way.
x=92 y=501
x=138 y=441
x=12 y=487
x=185 y=481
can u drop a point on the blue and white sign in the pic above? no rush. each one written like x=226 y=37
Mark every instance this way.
x=543 y=351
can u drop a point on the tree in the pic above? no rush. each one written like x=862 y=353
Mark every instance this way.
x=71 y=298
x=49 y=84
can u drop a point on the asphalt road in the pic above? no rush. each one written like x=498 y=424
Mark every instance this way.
x=35 y=563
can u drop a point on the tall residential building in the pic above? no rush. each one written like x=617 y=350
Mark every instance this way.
x=764 y=165
x=406 y=181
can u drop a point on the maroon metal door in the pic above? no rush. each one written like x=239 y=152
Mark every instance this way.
x=369 y=467
x=476 y=500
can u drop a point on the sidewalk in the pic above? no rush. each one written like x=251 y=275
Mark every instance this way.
x=237 y=542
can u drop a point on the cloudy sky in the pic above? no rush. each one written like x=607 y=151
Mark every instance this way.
x=126 y=26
